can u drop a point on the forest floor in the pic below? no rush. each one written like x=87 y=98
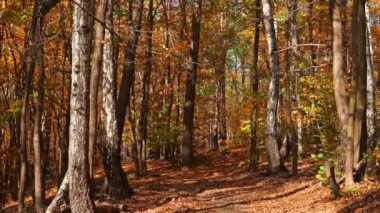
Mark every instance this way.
x=220 y=183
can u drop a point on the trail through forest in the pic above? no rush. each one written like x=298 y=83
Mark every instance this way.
x=220 y=183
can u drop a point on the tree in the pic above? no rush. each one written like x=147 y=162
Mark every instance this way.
x=271 y=124
x=96 y=65
x=134 y=17
x=41 y=9
x=39 y=193
x=371 y=99
x=291 y=39
x=142 y=144
x=118 y=186
x=80 y=200
x=253 y=158
x=188 y=110
x=338 y=75
x=357 y=124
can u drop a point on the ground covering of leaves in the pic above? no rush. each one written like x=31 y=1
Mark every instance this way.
x=220 y=183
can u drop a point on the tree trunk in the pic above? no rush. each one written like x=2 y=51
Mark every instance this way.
x=60 y=199
x=291 y=39
x=135 y=16
x=371 y=100
x=39 y=193
x=118 y=186
x=188 y=111
x=170 y=145
x=182 y=34
x=338 y=76
x=145 y=95
x=41 y=8
x=357 y=109
x=271 y=136
x=221 y=98
x=312 y=57
x=253 y=153
x=79 y=177
x=96 y=64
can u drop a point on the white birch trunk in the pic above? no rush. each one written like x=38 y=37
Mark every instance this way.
x=271 y=110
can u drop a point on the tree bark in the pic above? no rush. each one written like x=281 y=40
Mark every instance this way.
x=271 y=136
x=357 y=109
x=188 y=111
x=41 y=8
x=80 y=200
x=338 y=76
x=96 y=64
x=60 y=199
x=371 y=100
x=253 y=153
x=135 y=16
x=182 y=34
x=118 y=186
x=145 y=95
x=39 y=193
x=291 y=37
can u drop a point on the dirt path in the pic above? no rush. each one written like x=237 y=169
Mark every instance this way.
x=224 y=186
x=221 y=184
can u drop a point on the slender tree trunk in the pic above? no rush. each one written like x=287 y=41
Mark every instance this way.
x=345 y=37
x=39 y=193
x=170 y=145
x=41 y=8
x=271 y=136
x=135 y=140
x=182 y=34
x=118 y=186
x=145 y=94
x=338 y=76
x=135 y=16
x=65 y=133
x=96 y=64
x=357 y=109
x=291 y=37
x=371 y=100
x=79 y=177
x=188 y=111
x=253 y=153
x=312 y=57
x=221 y=98
x=25 y=108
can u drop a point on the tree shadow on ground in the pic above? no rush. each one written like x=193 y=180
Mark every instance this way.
x=370 y=202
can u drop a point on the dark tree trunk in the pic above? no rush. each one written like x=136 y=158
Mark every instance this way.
x=145 y=95
x=170 y=145
x=188 y=111
x=253 y=154
x=221 y=98
x=182 y=33
x=135 y=16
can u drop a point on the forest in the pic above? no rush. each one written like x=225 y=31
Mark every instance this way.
x=189 y=106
